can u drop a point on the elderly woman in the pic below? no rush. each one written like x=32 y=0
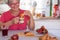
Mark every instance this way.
x=11 y=18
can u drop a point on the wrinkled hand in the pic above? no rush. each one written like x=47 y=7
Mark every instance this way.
x=16 y=20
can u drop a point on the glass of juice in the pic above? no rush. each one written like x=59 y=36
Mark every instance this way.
x=4 y=31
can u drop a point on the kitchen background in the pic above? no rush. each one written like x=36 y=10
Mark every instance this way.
x=39 y=7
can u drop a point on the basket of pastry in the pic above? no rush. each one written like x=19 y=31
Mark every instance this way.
x=48 y=37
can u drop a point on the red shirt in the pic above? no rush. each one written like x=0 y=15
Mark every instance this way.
x=6 y=16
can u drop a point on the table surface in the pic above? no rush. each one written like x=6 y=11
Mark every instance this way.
x=12 y=32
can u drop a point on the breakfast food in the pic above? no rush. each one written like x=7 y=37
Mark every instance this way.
x=21 y=34
x=26 y=34
x=42 y=30
x=22 y=15
x=21 y=19
x=15 y=37
x=46 y=37
x=38 y=15
x=39 y=31
x=54 y=38
x=29 y=34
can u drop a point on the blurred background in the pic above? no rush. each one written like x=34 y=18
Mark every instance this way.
x=35 y=6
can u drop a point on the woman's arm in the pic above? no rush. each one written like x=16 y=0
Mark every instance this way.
x=12 y=21
x=7 y=24
x=30 y=22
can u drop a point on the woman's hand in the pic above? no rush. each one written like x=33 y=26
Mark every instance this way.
x=16 y=20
